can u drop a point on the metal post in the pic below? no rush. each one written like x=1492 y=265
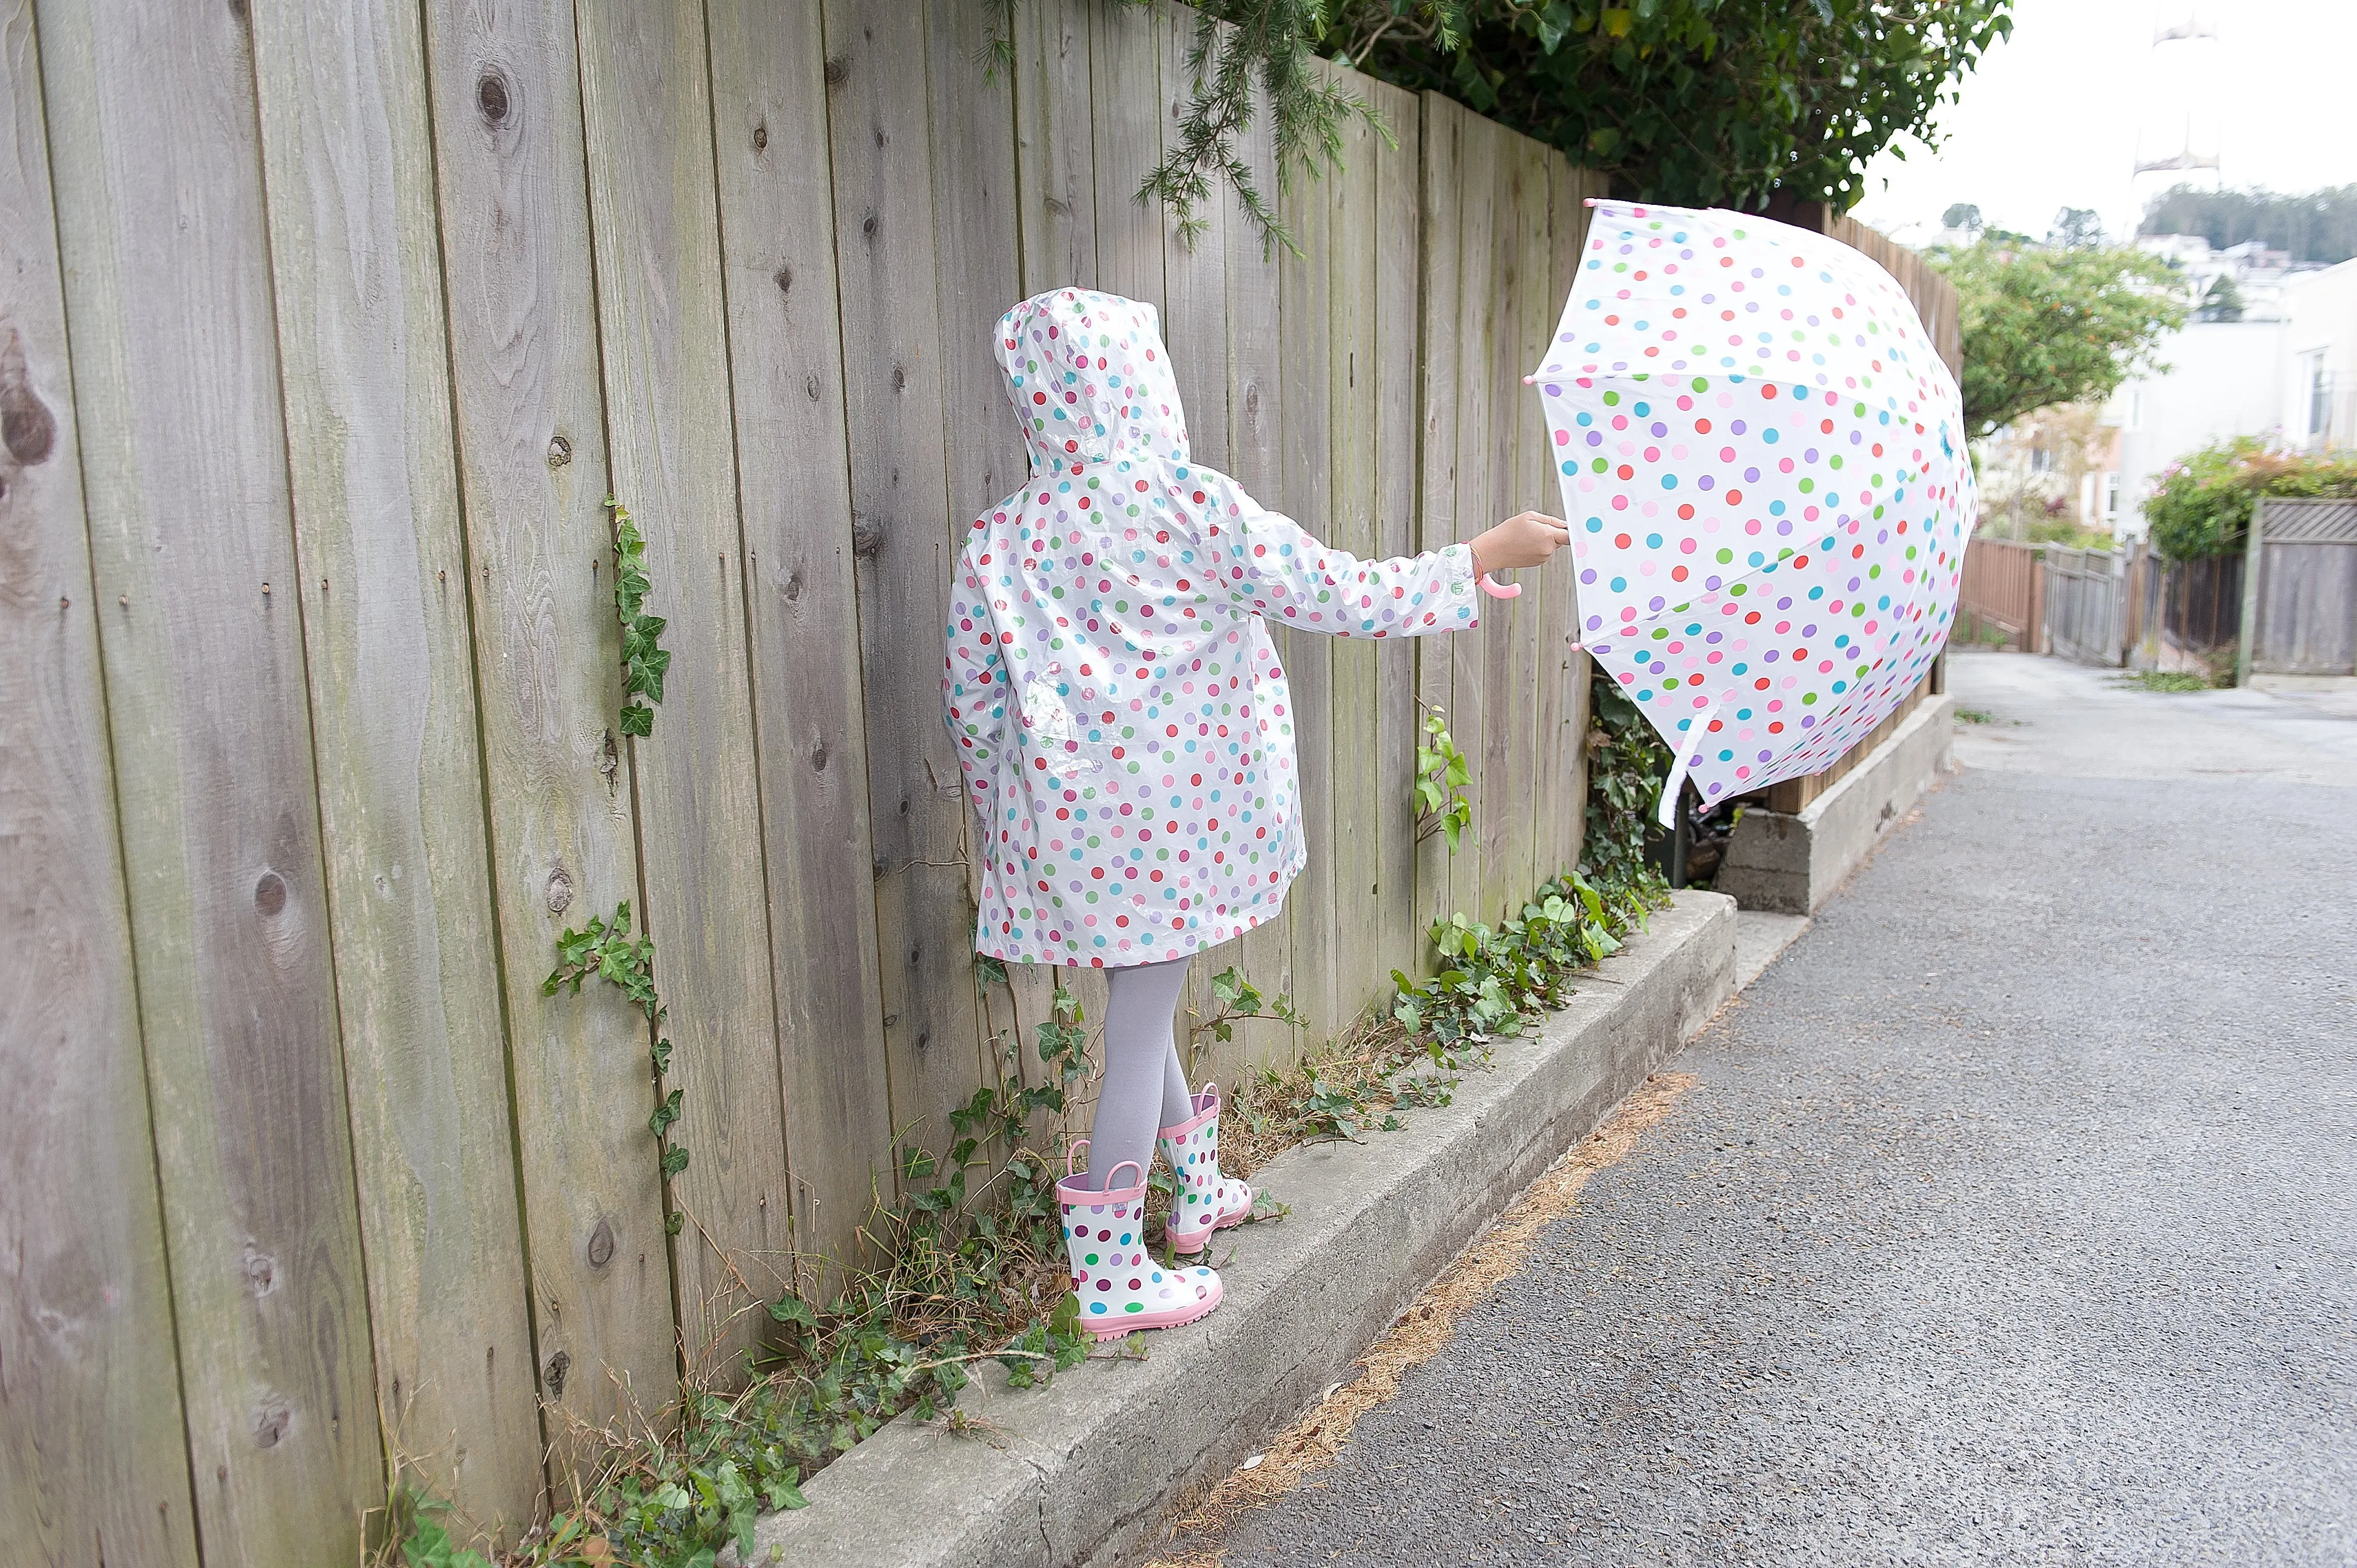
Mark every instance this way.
x=2254 y=557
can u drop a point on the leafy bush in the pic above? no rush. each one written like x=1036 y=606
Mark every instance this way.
x=1628 y=764
x=2201 y=504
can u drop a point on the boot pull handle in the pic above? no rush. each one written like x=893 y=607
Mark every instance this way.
x=1112 y=1186
x=1072 y=1157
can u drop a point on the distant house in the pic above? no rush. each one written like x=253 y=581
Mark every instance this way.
x=2317 y=370
x=2225 y=373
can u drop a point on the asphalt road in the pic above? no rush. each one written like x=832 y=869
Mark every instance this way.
x=2014 y=1218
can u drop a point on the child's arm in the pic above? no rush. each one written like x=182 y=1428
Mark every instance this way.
x=973 y=687
x=1273 y=567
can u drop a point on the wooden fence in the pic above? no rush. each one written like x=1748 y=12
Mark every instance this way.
x=2299 y=590
x=2002 y=598
x=309 y=747
x=2086 y=616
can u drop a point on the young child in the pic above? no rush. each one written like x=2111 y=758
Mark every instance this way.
x=1127 y=741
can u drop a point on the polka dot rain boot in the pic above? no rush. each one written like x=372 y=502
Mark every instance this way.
x=1205 y=1200
x=1120 y=1283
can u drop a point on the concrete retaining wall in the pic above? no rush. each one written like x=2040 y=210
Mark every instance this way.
x=1792 y=863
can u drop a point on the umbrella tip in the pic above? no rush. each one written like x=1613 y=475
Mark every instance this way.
x=1528 y=379
x=1589 y=202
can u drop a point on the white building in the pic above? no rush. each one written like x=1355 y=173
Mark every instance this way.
x=2317 y=370
x=2224 y=377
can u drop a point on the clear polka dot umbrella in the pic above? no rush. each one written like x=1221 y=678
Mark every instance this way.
x=1764 y=466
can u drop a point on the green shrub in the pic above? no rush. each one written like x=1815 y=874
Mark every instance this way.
x=2202 y=503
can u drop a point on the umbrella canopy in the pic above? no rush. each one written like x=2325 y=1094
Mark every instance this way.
x=1764 y=466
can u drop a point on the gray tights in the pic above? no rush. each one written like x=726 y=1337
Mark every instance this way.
x=1144 y=1090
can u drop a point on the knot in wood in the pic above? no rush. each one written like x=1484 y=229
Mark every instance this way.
x=601 y=1245
x=273 y=1418
x=26 y=427
x=760 y=138
x=558 y=1365
x=784 y=277
x=492 y=96
x=867 y=540
x=560 y=452
x=838 y=69
x=560 y=890
x=270 y=894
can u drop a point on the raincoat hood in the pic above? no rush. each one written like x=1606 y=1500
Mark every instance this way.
x=1091 y=381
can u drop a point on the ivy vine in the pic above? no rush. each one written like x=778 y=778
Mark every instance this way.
x=606 y=949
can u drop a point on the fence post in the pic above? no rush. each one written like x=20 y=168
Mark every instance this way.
x=2247 y=633
x=2033 y=634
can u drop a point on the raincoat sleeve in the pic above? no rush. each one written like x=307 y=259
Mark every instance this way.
x=974 y=691
x=1278 y=571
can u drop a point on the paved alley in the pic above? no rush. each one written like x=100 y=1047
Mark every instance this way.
x=2011 y=1220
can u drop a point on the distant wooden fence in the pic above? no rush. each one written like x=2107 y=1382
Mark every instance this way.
x=2086 y=616
x=2299 y=590
x=2002 y=592
x=308 y=748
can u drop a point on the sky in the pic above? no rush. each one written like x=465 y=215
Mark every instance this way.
x=2059 y=114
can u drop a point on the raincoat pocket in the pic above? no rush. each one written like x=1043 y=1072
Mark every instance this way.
x=1053 y=734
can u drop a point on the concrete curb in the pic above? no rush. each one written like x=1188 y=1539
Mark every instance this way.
x=1080 y=1473
x=1794 y=864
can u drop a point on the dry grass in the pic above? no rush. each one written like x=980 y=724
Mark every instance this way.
x=1204 y=1518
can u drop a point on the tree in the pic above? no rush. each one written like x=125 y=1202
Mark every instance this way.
x=2320 y=226
x=1964 y=215
x=2043 y=326
x=1696 y=103
x=2223 y=301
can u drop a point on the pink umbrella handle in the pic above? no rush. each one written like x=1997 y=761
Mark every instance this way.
x=1489 y=587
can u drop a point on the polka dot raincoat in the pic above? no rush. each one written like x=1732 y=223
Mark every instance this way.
x=1117 y=702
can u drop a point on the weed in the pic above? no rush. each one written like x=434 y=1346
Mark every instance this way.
x=2166 y=680
x=1975 y=717
x=1442 y=772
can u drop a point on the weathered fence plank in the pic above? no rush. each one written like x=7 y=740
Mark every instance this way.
x=777 y=229
x=1509 y=651
x=1255 y=416
x=654 y=204
x=508 y=155
x=377 y=530
x=1398 y=935
x=1440 y=208
x=1054 y=146
x=1566 y=799
x=1194 y=274
x=94 y=1447
x=166 y=262
x=1304 y=326
x=1478 y=304
x=976 y=213
x=1126 y=131
x=886 y=243
x=1353 y=413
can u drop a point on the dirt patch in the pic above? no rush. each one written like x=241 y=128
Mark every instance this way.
x=1202 y=1518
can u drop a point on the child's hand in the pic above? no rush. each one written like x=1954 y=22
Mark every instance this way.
x=1526 y=540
